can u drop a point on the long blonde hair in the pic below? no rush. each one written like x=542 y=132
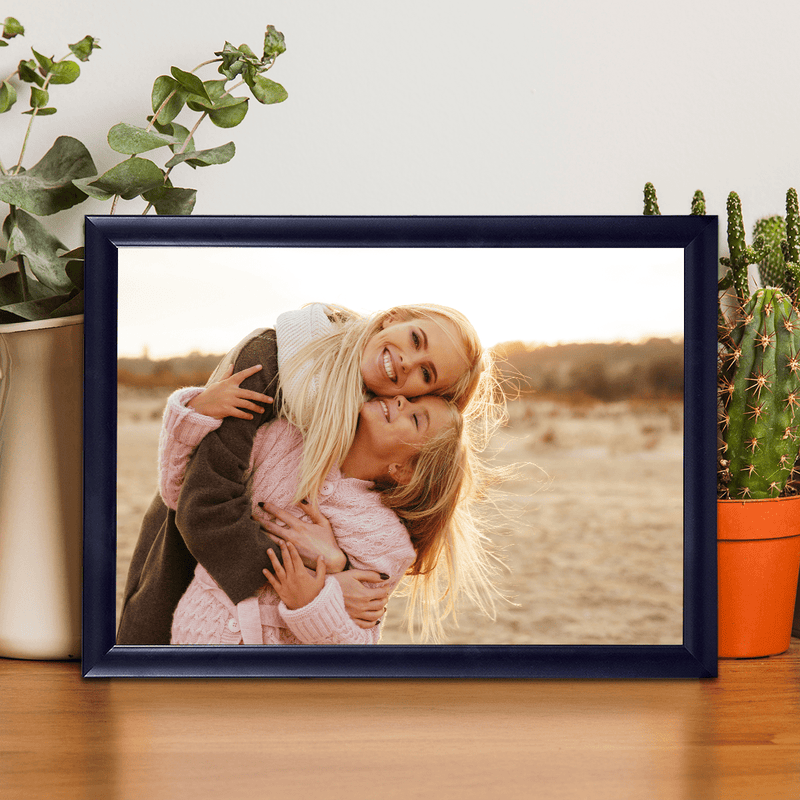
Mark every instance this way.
x=455 y=559
x=328 y=396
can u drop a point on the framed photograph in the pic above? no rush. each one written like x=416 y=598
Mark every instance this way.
x=603 y=333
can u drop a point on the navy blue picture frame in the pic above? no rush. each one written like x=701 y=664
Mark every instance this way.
x=696 y=657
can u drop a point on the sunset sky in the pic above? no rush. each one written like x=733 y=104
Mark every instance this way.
x=176 y=300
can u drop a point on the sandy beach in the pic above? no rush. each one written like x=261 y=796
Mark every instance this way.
x=590 y=527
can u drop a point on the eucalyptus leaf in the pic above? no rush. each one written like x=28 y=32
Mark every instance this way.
x=220 y=102
x=78 y=253
x=229 y=116
x=8 y=96
x=191 y=83
x=74 y=270
x=265 y=90
x=27 y=72
x=47 y=187
x=11 y=290
x=130 y=140
x=64 y=72
x=274 y=43
x=12 y=28
x=205 y=158
x=39 y=247
x=227 y=112
x=214 y=89
x=39 y=97
x=171 y=200
x=130 y=178
x=233 y=60
x=83 y=49
x=162 y=88
x=41 y=112
x=181 y=134
x=87 y=187
x=45 y=63
x=3 y=44
x=74 y=305
x=38 y=309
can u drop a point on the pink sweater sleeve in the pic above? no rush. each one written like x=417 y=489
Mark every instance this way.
x=325 y=621
x=182 y=429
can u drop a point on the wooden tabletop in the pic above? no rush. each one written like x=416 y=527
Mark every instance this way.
x=737 y=736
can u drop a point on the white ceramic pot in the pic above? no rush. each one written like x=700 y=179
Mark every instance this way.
x=41 y=485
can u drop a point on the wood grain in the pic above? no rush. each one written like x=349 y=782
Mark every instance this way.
x=737 y=736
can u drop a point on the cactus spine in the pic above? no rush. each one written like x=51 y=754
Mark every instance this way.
x=760 y=392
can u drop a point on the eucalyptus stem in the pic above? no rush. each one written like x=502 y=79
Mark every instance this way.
x=23 y=276
x=28 y=130
x=191 y=133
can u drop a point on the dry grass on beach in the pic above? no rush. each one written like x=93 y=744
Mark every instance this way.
x=591 y=525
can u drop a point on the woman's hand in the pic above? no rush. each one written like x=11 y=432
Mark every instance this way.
x=311 y=539
x=225 y=397
x=366 y=606
x=295 y=585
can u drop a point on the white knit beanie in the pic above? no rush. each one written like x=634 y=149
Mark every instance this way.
x=294 y=330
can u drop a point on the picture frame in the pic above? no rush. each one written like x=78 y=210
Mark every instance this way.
x=694 y=236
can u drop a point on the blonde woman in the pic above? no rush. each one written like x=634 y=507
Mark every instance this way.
x=318 y=363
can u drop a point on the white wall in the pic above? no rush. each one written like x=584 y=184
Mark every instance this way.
x=451 y=106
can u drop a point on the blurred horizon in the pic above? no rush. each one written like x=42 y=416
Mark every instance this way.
x=599 y=371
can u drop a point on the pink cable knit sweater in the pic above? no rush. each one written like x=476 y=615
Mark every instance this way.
x=371 y=535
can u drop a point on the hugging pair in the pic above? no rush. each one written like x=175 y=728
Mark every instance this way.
x=381 y=488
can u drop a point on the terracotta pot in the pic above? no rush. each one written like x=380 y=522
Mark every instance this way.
x=758 y=550
x=41 y=488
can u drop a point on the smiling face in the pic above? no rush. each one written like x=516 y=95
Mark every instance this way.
x=392 y=430
x=413 y=357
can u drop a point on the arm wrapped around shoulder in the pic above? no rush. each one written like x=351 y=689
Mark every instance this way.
x=214 y=511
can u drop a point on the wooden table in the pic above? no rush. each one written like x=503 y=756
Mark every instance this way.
x=737 y=736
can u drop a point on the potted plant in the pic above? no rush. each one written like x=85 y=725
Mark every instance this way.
x=41 y=310
x=758 y=528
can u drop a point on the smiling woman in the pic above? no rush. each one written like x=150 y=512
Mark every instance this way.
x=390 y=433
x=416 y=356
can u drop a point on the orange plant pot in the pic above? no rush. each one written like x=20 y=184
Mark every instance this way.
x=758 y=552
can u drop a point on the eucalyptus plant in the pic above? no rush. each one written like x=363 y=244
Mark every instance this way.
x=41 y=277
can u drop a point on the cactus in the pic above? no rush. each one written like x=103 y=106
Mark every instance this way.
x=740 y=255
x=759 y=354
x=650 y=201
x=791 y=247
x=772 y=268
x=760 y=393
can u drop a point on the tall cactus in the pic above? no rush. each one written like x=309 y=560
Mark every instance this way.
x=772 y=268
x=650 y=201
x=740 y=255
x=791 y=247
x=760 y=393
